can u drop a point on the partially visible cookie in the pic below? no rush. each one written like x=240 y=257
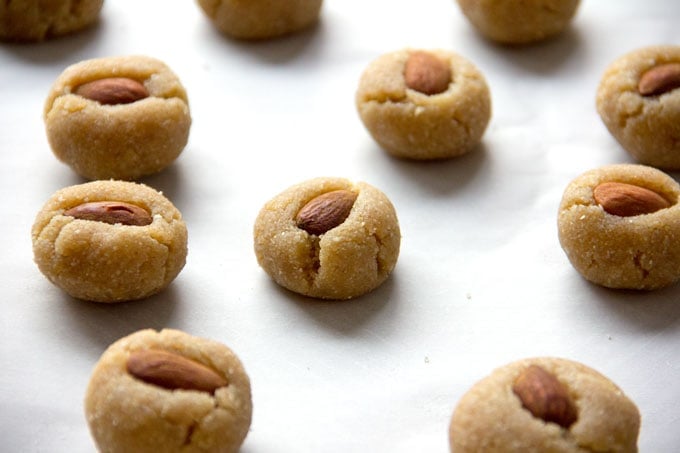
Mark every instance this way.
x=328 y=238
x=424 y=104
x=519 y=21
x=638 y=100
x=544 y=404
x=109 y=241
x=261 y=19
x=37 y=20
x=620 y=226
x=117 y=117
x=168 y=392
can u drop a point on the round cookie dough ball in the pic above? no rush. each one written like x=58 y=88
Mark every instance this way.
x=544 y=404
x=638 y=100
x=519 y=21
x=168 y=392
x=37 y=20
x=109 y=241
x=261 y=19
x=328 y=238
x=620 y=226
x=424 y=104
x=117 y=117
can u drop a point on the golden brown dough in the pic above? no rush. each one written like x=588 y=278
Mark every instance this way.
x=123 y=140
x=126 y=413
x=346 y=261
x=105 y=262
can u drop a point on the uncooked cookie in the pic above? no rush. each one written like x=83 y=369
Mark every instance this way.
x=519 y=21
x=117 y=117
x=620 y=226
x=544 y=404
x=168 y=392
x=424 y=104
x=109 y=241
x=261 y=19
x=37 y=20
x=638 y=100
x=328 y=238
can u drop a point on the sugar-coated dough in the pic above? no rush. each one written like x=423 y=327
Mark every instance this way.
x=126 y=414
x=519 y=21
x=125 y=141
x=37 y=20
x=261 y=19
x=648 y=127
x=101 y=262
x=347 y=261
x=410 y=124
x=490 y=417
x=635 y=252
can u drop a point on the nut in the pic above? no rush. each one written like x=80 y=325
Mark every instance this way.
x=626 y=200
x=113 y=90
x=660 y=79
x=426 y=73
x=111 y=212
x=545 y=396
x=173 y=371
x=326 y=211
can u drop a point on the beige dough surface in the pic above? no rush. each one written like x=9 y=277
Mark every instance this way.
x=124 y=141
x=101 y=262
x=410 y=124
x=37 y=20
x=126 y=414
x=519 y=21
x=490 y=417
x=647 y=127
x=261 y=19
x=636 y=252
x=347 y=261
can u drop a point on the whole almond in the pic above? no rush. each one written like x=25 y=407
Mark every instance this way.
x=660 y=79
x=427 y=73
x=112 y=212
x=326 y=211
x=173 y=371
x=626 y=200
x=545 y=396
x=113 y=90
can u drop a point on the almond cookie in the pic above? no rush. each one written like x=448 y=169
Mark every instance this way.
x=109 y=241
x=519 y=21
x=37 y=20
x=424 y=104
x=117 y=117
x=544 y=404
x=638 y=100
x=168 y=392
x=261 y=19
x=328 y=238
x=620 y=226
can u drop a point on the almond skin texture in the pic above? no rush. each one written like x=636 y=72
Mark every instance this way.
x=626 y=200
x=660 y=79
x=111 y=212
x=545 y=396
x=326 y=211
x=173 y=371
x=113 y=91
x=426 y=73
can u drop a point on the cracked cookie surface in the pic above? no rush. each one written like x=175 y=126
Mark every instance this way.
x=646 y=126
x=37 y=20
x=127 y=414
x=346 y=261
x=103 y=262
x=411 y=124
x=628 y=252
